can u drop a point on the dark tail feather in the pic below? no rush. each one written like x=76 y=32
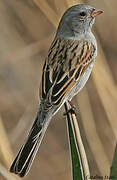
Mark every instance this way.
x=27 y=153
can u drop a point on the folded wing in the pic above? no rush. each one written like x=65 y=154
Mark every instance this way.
x=66 y=62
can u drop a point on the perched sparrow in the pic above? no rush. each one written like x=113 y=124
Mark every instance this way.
x=67 y=68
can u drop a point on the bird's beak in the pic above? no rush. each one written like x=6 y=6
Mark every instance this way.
x=96 y=12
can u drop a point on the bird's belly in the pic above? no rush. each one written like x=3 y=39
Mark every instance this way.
x=80 y=83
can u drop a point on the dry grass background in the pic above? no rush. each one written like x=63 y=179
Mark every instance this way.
x=27 y=27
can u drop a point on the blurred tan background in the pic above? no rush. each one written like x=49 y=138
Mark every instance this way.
x=27 y=28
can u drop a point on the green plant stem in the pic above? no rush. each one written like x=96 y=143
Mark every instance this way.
x=77 y=170
x=113 y=173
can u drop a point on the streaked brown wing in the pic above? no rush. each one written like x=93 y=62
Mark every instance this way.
x=66 y=62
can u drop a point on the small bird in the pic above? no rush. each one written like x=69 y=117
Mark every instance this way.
x=67 y=67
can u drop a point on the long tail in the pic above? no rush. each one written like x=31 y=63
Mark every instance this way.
x=27 y=153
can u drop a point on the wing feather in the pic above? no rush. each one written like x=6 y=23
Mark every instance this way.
x=66 y=62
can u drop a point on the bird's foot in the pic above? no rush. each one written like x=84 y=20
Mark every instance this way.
x=72 y=110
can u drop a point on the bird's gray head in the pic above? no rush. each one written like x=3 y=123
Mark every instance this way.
x=77 y=19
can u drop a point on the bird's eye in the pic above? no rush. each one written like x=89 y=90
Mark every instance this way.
x=83 y=14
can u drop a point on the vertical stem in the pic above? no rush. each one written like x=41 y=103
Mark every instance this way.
x=80 y=168
x=5 y=149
